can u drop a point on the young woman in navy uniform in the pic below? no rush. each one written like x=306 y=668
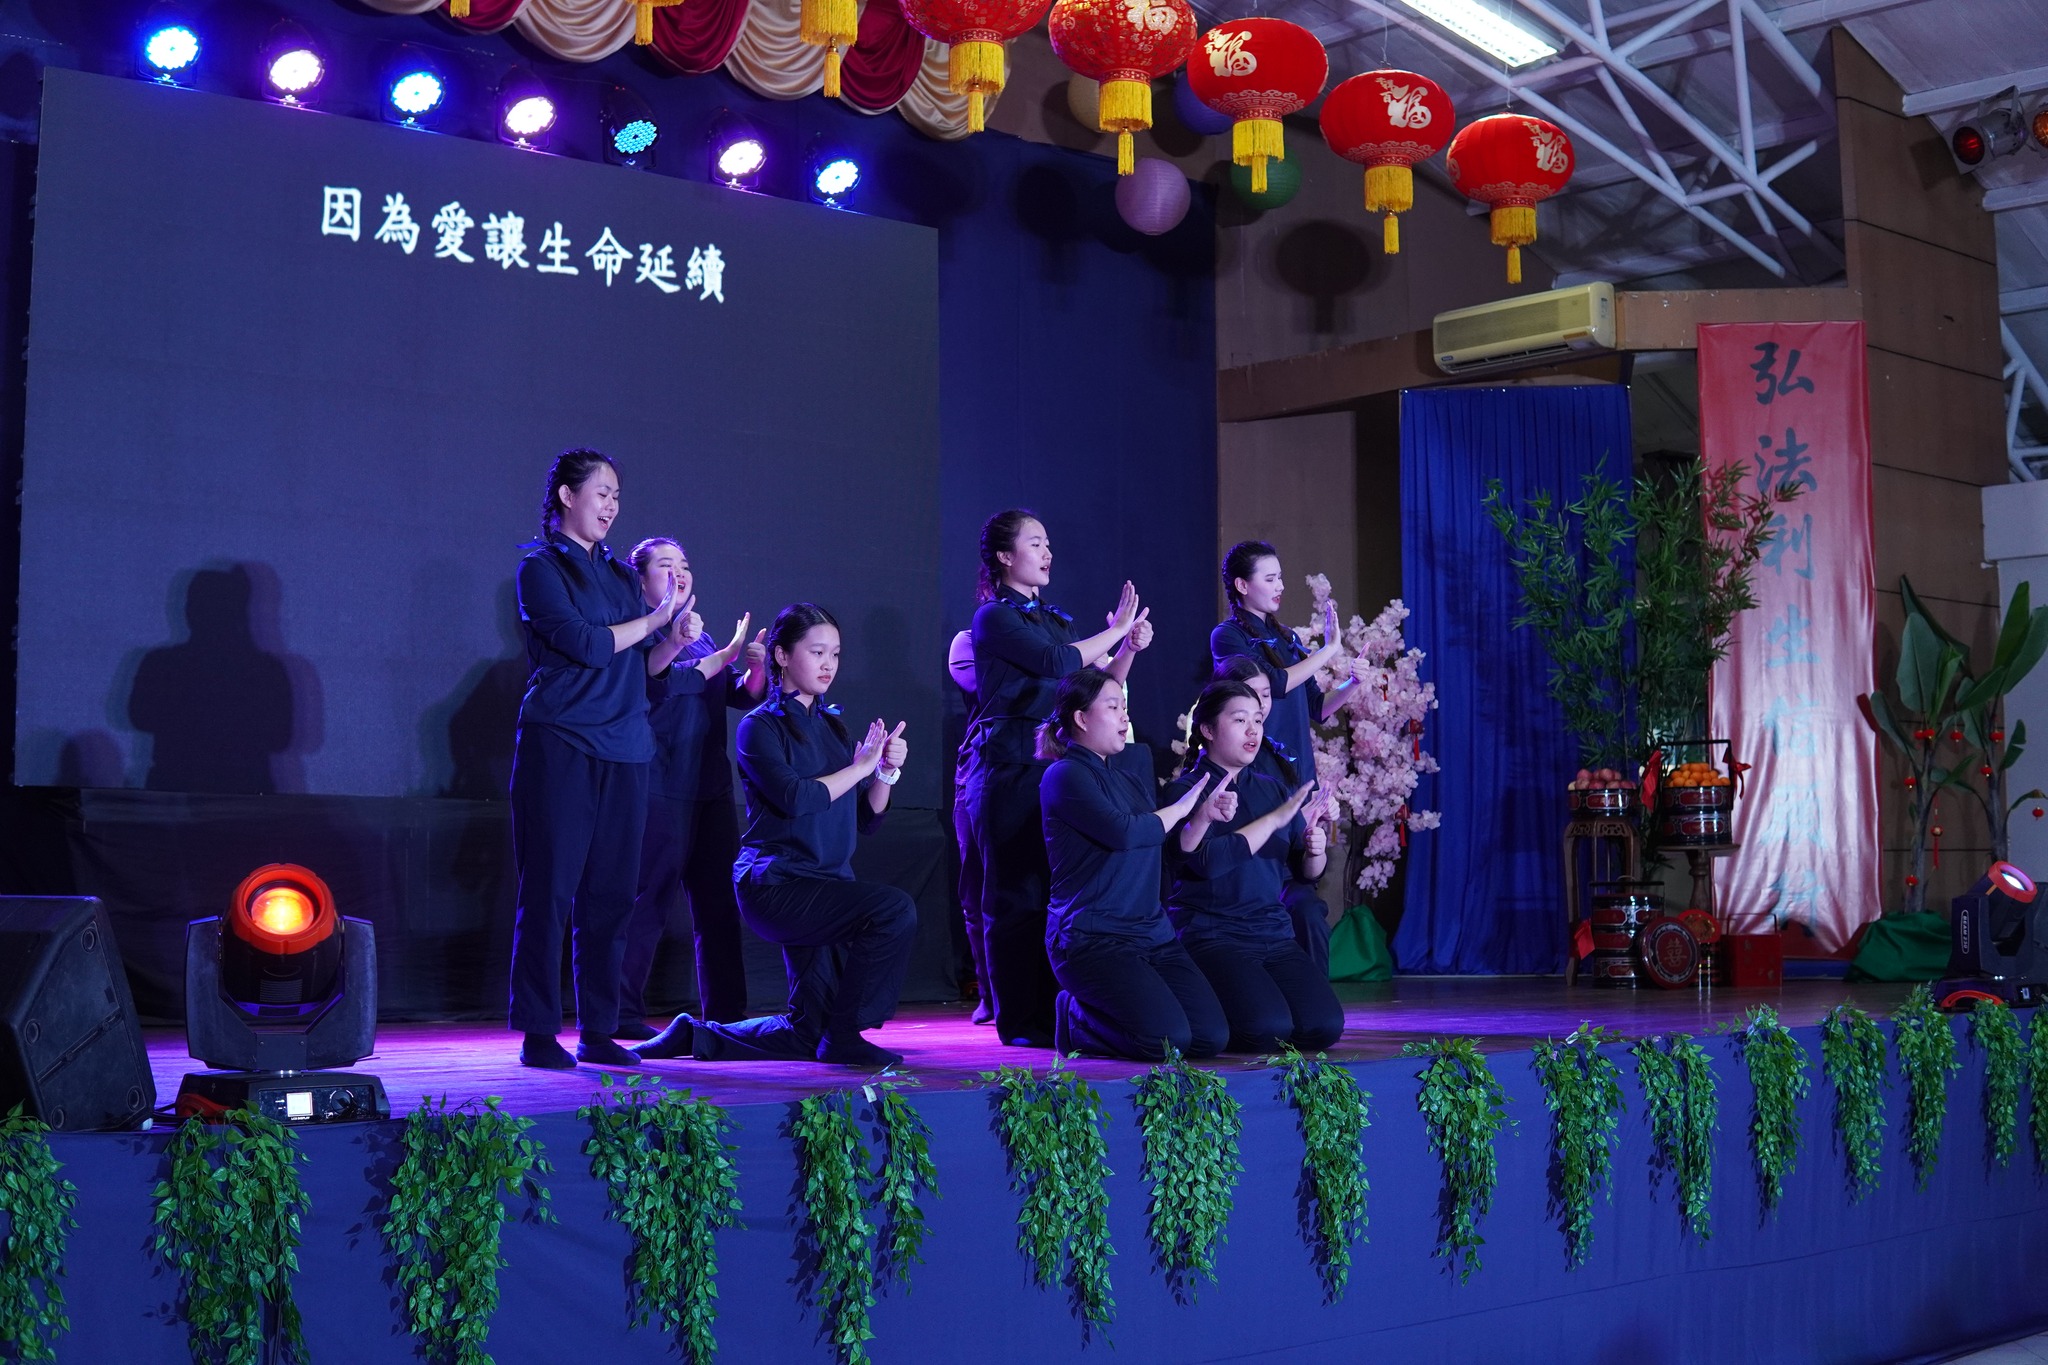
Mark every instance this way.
x=579 y=766
x=1127 y=986
x=692 y=836
x=810 y=788
x=1023 y=646
x=1228 y=867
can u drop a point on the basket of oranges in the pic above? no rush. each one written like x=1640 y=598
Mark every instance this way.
x=1696 y=803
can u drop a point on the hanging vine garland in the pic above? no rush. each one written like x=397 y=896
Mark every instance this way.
x=37 y=1208
x=1191 y=1126
x=1334 y=1115
x=2037 y=1087
x=662 y=1156
x=445 y=1215
x=227 y=1220
x=1778 y=1074
x=1678 y=1082
x=1051 y=1129
x=1463 y=1106
x=1927 y=1054
x=907 y=1172
x=1852 y=1054
x=1582 y=1087
x=2005 y=1059
x=837 y=1270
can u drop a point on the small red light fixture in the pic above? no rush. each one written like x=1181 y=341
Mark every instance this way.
x=1969 y=144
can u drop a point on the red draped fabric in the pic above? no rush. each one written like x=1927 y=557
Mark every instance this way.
x=697 y=37
x=486 y=16
x=884 y=61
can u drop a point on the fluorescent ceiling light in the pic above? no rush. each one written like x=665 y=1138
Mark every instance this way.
x=1483 y=27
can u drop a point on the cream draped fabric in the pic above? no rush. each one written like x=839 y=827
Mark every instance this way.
x=768 y=59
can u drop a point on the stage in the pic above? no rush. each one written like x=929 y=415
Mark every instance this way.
x=1904 y=1274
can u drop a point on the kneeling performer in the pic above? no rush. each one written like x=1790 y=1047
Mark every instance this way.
x=845 y=944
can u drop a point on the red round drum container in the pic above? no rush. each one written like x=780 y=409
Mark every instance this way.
x=1669 y=953
x=1620 y=910
x=1601 y=802
x=1696 y=816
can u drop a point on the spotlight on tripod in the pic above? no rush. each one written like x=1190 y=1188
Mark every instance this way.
x=279 y=992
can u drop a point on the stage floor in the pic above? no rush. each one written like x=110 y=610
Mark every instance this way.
x=943 y=1049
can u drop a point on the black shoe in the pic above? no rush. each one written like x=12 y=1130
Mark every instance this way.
x=604 y=1052
x=983 y=1013
x=857 y=1051
x=677 y=1040
x=634 y=1031
x=1038 y=1040
x=541 y=1050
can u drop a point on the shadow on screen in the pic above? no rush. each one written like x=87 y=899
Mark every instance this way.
x=466 y=737
x=225 y=709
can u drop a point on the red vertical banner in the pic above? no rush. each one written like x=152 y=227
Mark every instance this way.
x=1788 y=403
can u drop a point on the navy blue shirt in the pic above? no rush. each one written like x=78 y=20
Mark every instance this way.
x=1102 y=839
x=1274 y=649
x=1022 y=648
x=794 y=827
x=591 y=694
x=1223 y=891
x=688 y=716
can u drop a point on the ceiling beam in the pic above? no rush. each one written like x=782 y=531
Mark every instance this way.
x=1970 y=93
x=2014 y=301
x=2021 y=196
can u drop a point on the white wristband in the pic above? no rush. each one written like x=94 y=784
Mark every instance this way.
x=888 y=777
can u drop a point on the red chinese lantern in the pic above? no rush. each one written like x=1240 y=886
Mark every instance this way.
x=1387 y=121
x=974 y=32
x=1125 y=45
x=1258 y=71
x=1510 y=162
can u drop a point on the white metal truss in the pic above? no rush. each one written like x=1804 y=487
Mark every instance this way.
x=1616 y=54
x=2024 y=385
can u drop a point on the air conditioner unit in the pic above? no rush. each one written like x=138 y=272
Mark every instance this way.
x=1530 y=329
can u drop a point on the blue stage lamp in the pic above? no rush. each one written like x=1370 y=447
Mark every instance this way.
x=630 y=128
x=738 y=153
x=834 y=176
x=170 y=51
x=292 y=65
x=526 y=110
x=415 y=91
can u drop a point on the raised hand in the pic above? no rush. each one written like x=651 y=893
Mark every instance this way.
x=739 y=640
x=1189 y=799
x=894 y=750
x=1331 y=629
x=1126 y=613
x=1294 y=803
x=1362 y=669
x=1141 y=631
x=689 y=625
x=757 y=650
x=867 y=755
x=1221 y=806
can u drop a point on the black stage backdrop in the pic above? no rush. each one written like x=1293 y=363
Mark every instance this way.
x=1076 y=375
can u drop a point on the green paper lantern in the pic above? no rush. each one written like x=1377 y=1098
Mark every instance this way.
x=1283 y=182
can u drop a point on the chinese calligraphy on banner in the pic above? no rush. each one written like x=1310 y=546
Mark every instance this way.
x=505 y=244
x=1787 y=402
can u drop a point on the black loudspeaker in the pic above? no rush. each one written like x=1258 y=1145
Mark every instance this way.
x=71 y=1050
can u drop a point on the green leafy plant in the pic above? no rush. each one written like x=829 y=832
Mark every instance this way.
x=1582 y=1088
x=37 y=1207
x=227 y=1220
x=2037 y=1088
x=1927 y=1055
x=1051 y=1128
x=907 y=1172
x=1678 y=1084
x=1463 y=1107
x=838 y=1267
x=446 y=1212
x=1852 y=1053
x=1191 y=1126
x=1629 y=653
x=664 y=1161
x=1778 y=1074
x=1334 y=1114
x=1947 y=720
x=1995 y=1030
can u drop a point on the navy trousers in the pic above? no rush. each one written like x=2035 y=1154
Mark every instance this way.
x=845 y=948
x=1122 y=998
x=688 y=846
x=1311 y=916
x=1271 y=994
x=576 y=823
x=1016 y=882
x=970 y=891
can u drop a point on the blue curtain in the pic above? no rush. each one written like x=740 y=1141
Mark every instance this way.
x=1485 y=892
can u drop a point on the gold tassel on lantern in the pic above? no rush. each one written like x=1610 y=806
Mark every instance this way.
x=832 y=25
x=458 y=9
x=1252 y=141
x=975 y=69
x=1514 y=227
x=1125 y=105
x=643 y=18
x=1391 y=188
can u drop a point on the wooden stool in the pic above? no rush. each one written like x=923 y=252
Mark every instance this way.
x=1601 y=833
